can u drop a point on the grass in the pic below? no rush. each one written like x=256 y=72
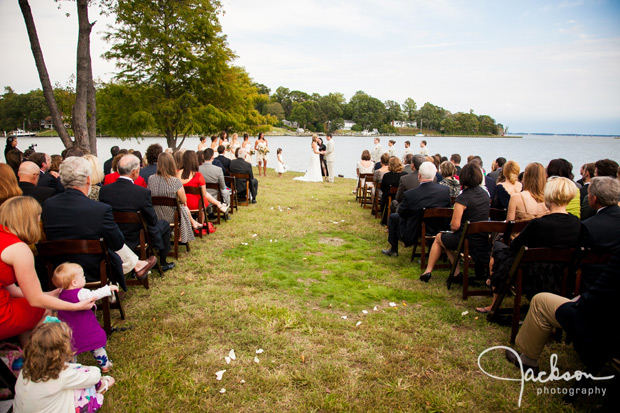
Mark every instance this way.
x=313 y=257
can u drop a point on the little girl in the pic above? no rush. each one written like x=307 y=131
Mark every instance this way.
x=87 y=333
x=280 y=167
x=49 y=383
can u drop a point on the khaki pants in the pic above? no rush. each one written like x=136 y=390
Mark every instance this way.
x=539 y=323
x=128 y=257
x=330 y=170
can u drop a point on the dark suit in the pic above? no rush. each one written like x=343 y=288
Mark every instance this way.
x=124 y=196
x=590 y=320
x=71 y=215
x=40 y=193
x=405 y=224
x=490 y=183
x=218 y=163
x=240 y=166
x=407 y=182
x=147 y=171
x=48 y=180
x=226 y=162
x=600 y=233
x=107 y=166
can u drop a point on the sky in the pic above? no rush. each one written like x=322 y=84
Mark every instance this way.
x=534 y=66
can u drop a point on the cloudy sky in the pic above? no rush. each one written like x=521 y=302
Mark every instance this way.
x=535 y=66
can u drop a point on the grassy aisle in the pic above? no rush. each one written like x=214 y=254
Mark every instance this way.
x=294 y=275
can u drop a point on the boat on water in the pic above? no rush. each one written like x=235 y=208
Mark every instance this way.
x=420 y=134
x=20 y=132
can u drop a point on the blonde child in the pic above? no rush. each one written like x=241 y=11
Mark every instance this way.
x=280 y=167
x=87 y=333
x=48 y=381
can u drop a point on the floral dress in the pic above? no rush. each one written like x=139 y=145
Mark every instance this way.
x=168 y=187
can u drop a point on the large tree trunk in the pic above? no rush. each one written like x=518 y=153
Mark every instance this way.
x=83 y=77
x=48 y=92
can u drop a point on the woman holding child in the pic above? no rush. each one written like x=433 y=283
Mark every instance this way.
x=23 y=307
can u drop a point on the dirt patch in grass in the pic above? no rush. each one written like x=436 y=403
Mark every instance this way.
x=331 y=241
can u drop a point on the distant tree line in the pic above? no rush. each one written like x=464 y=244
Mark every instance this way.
x=327 y=113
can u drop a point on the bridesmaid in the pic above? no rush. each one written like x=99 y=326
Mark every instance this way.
x=261 y=148
x=247 y=145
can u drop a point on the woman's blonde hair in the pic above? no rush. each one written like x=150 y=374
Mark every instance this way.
x=96 y=175
x=20 y=215
x=395 y=165
x=47 y=351
x=534 y=180
x=511 y=171
x=8 y=183
x=559 y=191
x=447 y=169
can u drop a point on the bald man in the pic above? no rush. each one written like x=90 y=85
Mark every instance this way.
x=28 y=175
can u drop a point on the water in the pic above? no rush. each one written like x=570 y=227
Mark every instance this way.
x=296 y=149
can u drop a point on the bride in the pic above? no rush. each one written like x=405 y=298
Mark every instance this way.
x=313 y=174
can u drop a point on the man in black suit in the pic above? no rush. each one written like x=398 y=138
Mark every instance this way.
x=588 y=320
x=124 y=196
x=496 y=168
x=409 y=181
x=44 y=161
x=71 y=215
x=603 y=167
x=107 y=165
x=240 y=166
x=28 y=175
x=404 y=224
x=152 y=152
x=223 y=159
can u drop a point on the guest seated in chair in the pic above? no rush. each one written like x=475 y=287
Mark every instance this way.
x=240 y=166
x=558 y=229
x=472 y=205
x=71 y=215
x=124 y=196
x=214 y=175
x=404 y=225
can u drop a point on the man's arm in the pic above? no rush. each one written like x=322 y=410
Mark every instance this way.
x=111 y=233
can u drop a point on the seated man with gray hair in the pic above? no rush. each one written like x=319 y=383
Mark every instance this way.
x=124 y=196
x=405 y=223
x=71 y=215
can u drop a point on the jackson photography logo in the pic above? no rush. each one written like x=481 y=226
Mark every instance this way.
x=554 y=375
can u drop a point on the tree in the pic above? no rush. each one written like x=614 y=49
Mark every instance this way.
x=367 y=111
x=393 y=111
x=123 y=110
x=48 y=92
x=275 y=109
x=431 y=116
x=409 y=108
x=178 y=50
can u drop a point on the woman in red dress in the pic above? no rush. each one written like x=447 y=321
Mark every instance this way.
x=22 y=307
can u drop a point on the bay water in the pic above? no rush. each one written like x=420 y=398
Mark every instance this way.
x=348 y=149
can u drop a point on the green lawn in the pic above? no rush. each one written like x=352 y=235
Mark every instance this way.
x=313 y=257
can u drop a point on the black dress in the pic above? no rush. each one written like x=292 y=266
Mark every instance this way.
x=323 y=148
x=550 y=231
x=389 y=180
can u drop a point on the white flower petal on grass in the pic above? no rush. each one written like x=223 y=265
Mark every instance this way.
x=275 y=240
x=392 y=304
x=219 y=374
x=464 y=313
x=365 y=311
x=232 y=355
x=342 y=220
x=260 y=350
x=223 y=391
x=270 y=240
x=358 y=323
x=242 y=381
x=255 y=235
x=227 y=359
x=256 y=360
x=375 y=309
x=344 y=317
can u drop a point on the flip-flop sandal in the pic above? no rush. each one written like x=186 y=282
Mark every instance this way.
x=482 y=310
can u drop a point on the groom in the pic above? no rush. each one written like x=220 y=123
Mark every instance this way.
x=329 y=156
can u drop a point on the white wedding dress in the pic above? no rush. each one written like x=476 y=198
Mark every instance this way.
x=313 y=174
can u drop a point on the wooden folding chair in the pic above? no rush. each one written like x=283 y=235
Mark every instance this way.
x=201 y=211
x=360 y=186
x=367 y=191
x=497 y=214
x=145 y=247
x=247 y=187
x=231 y=182
x=219 y=197
x=564 y=256
x=386 y=208
x=425 y=240
x=589 y=257
x=463 y=253
x=175 y=225
x=50 y=251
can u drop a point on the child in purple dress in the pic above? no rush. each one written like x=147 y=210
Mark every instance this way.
x=87 y=333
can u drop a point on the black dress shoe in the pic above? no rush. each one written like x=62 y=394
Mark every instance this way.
x=254 y=201
x=510 y=356
x=167 y=266
x=425 y=277
x=390 y=253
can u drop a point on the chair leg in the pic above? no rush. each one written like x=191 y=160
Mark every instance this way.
x=105 y=308
x=516 y=311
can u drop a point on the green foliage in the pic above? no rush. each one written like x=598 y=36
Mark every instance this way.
x=123 y=110
x=19 y=109
x=176 y=48
x=409 y=109
x=366 y=111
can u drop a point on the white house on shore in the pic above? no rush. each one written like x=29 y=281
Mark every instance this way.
x=348 y=124
x=404 y=124
x=290 y=124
